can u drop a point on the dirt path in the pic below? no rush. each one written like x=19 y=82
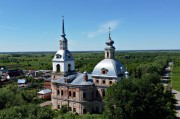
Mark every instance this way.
x=177 y=95
x=165 y=79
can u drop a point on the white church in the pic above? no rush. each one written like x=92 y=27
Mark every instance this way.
x=83 y=92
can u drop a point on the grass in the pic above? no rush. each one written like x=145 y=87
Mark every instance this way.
x=176 y=78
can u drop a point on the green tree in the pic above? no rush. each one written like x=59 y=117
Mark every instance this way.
x=139 y=99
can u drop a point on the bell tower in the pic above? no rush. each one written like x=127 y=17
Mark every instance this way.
x=63 y=61
x=109 y=49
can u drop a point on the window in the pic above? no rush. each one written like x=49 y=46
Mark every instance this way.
x=69 y=93
x=84 y=95
x=57 y=92
x=84 y=111
x=107 y=54
x=58 y=106
x=74 y=94
x=58 y=56
x=61 y=92
x=97 y=81
x=104 y=81
x=110 y=82
x=70 y=108
x=57 y=68
x=74 y=109
x=69 y=67
x=104 y=71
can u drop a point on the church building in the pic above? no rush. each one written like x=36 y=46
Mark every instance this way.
x=83 y=92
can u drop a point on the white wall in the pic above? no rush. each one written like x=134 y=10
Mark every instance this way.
x=63 y=66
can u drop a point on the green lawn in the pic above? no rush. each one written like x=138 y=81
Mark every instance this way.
x=176 y=78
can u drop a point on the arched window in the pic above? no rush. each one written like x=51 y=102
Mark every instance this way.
x=104 y=71
x=107 y=54
x=69 y=67
x=69 y=93
x=74 y=94
x=58 y=56
x=57 y=68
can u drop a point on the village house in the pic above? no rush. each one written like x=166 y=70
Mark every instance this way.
x=45 y=94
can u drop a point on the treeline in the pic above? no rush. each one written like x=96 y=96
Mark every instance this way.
x=136 y=63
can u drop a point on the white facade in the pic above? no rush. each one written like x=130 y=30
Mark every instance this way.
x=64 y=66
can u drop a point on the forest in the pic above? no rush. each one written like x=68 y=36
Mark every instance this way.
x=137 y=97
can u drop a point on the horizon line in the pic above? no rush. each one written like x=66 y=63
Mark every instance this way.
x=90 y=51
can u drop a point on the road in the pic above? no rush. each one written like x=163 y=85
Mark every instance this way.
x=167 y=77
x=177 y=95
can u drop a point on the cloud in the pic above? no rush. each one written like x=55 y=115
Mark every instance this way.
x=103 y=28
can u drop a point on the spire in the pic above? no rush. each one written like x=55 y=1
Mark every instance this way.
x=63 y=31
x=110 y=42
x=63 y=41
x=109 y=31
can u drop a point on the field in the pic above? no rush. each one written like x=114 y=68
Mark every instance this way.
x=176 y=78
x=30 y=61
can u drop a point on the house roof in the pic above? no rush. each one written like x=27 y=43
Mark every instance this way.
x=44 y=91
x=21 y=81
x=47 y=79
x=75 y=80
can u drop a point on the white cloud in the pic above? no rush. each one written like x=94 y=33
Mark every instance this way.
x=103 y=28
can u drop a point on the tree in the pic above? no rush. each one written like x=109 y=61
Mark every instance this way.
x=139 y=99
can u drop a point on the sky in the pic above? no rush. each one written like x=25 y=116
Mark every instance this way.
x=35 y=25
